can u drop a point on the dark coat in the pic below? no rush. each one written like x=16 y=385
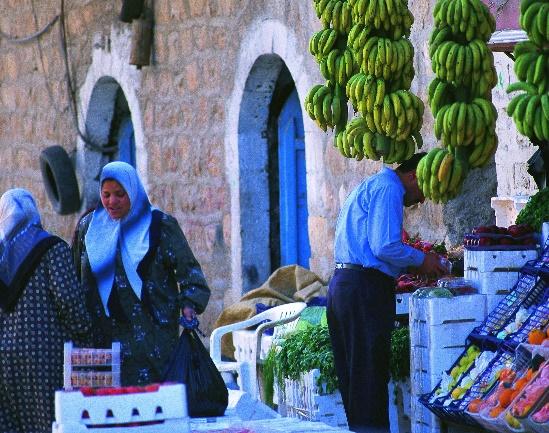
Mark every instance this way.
x=147 y=328
x=50 y=311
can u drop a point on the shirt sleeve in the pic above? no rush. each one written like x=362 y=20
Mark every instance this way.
x=385 y=215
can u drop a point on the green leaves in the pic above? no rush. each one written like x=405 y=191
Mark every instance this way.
x=399 y=365
x=300 y=352
x=536 y=210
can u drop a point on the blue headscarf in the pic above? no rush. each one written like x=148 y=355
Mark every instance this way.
x=20 y=232
x=130 y=233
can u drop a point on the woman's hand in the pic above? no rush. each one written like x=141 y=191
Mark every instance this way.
x=189 y=313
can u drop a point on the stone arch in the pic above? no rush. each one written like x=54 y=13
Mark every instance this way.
x=108 y=77
x=258 y=65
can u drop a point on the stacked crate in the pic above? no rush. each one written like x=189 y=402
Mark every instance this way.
x=438 y=330
x=495 y=272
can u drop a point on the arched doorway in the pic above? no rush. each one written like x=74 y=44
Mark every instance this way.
x=109 y=127
x=272 y=174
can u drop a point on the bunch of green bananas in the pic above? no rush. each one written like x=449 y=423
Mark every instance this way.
x=534 y=20
x=530 y=110
x=465 y=124
x=470 y=64
x=358 y=141
x=468 y=18
x=391 y=16
x=322 y=42
x=327 y=105
x=532 y=65
x=440 y=175
x=384 y=57
x=338 y=66
x=336 y=13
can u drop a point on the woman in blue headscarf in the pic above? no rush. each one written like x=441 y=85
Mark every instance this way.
x=139 y=272
x=41 y=306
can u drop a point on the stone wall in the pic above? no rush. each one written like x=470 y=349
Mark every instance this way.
x=185 y=111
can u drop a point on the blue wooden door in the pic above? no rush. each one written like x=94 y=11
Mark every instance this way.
x=294 y=233
x=126 y=142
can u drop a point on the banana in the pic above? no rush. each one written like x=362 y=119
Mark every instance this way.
x=488 y=109
x=456 y=177
x=368 y=146
x=380 y=91
x=545 y=105
x=336 y=110
x=522 y=86
x=460 y=126
x=445 y=171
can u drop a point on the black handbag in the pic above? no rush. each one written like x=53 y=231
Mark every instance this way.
x=190 y=363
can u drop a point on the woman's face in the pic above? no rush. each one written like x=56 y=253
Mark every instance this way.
x=115 y=199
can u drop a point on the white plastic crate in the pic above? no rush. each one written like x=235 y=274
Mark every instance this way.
x=423 y=382
x=443 y=336
x=163 y=411
x=423 y=420
x=402 y=303
x=304 y=399
x=439 y=311
x=490 y=261
x=399 y=406
x=434 y=361
x=492 y=283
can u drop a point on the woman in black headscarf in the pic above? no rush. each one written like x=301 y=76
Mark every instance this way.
x=41 y=307
x=139 y=273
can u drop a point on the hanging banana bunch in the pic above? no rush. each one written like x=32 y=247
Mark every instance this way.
x=530 y=110
x=366 y=57
x=326 y=103
x=389 y=114
x=459 y=96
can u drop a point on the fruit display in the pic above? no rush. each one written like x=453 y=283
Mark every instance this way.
x=451 y=378
x=530 y=108
x=459 y=97
x=366 y=58
x=532 y=392
x=542 y=414
x=492 y=235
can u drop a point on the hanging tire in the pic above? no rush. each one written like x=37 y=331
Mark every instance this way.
x=60 y=180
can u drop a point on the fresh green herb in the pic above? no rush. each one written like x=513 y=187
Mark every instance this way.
x=300 y=352
x=536 y=210
x=399 y=365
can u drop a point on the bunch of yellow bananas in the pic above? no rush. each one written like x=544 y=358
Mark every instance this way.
x=530 y=110
x=440 y=175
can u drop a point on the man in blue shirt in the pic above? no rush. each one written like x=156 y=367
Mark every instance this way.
x=369 y=254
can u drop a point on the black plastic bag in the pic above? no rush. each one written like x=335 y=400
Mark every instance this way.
x=191 y=364
x=131 y=10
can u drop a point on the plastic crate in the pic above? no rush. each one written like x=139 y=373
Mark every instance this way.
x=439 y=311
x=433 y=399
x=162 y=411
x=90 y=367
x=492 y=283
x=497 y=260
x=529 y=290
x=306 y=400
x=535 y=426
x=457 y=410
x=537 y=320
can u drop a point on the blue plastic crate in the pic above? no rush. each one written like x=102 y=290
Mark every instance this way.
x=456 y=410
x=538 y=319
x=529 y=290
x=434 y=404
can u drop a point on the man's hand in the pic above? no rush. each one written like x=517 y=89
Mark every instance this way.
x=431 y=266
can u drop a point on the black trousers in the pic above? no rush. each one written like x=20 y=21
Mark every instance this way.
x=361 y=314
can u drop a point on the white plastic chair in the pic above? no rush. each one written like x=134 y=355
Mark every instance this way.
x=282 y=318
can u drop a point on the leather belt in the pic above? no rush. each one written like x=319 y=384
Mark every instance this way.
x=351 y=266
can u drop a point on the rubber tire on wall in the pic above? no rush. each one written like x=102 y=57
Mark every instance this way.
x=60 y=180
